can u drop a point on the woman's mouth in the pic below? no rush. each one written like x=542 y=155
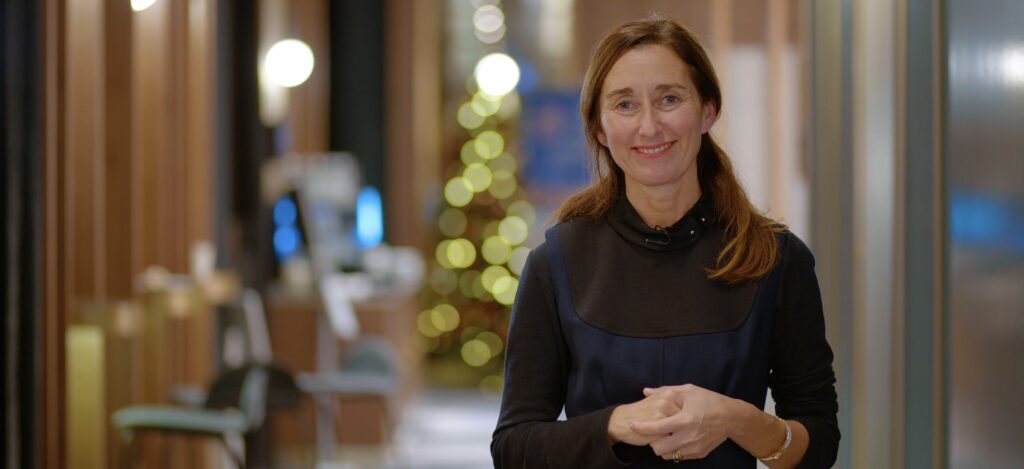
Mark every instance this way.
x=653 y=151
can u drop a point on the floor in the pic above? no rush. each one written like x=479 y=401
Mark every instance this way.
x=438 y=430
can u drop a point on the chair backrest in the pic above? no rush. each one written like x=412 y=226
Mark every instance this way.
x=254 y=390
x=260 y=349
x=252 y=400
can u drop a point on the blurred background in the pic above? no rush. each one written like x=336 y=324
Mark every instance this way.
x=287 y=233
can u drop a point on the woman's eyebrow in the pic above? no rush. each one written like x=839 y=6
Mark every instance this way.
x=670 y=86
x=618 y=92
x=660 y=88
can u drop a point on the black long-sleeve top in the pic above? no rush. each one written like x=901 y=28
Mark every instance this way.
x=609 y=306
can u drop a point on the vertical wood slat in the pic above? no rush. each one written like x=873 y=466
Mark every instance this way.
x=83 y=119
x=151 y=109
x=55 y=273
x=413 y=117
x=118 y=208
x=199 y=110
x=85 y=163
x=308 y=103
x=148 y=38
x=177 y=194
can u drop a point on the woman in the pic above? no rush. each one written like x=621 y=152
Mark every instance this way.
x=663 y=306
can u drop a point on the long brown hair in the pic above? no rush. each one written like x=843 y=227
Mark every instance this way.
x=751 y=248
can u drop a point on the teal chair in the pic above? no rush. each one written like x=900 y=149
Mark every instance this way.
x=235 y=410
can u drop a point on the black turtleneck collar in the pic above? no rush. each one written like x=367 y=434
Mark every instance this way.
x=625 y=220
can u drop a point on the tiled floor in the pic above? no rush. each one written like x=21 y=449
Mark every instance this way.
x=438 y=430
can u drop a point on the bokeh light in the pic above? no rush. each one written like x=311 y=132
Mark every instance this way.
x=458 y=192
x=485 y=105
x=288 y=63
x=478 y=176
x=452 y=222
x=503 y=185
x=425 y=324
x=467 y=283
x=479 y=292
x=505 y=290
x=476 y=353
x=461 y=253
x=496 y=250
x=489 y=144
x=513 y=229
x=492 y=385
x=444 y=281
x=517 y=261
x=1013 y=65
x=468 y=153
x=285 y=211
x=524 y=210
x=139 y=5
x=496 y=74
x=510 y=106
x=369 y=218
x=489 y=279
x=488 y=19
x=468 y=117
x=493 y=342
x=444 y=317
x=505 y=162
x=441 y=254
x=286 y=241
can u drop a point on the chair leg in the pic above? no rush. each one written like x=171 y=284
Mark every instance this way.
x=235 y=444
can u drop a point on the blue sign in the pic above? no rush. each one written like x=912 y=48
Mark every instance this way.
x=554 y=149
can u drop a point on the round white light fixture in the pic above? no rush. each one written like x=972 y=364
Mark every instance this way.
x=288 y=63
x=139 y=5
x=496 y=74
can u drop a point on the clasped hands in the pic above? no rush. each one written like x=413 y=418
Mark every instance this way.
x=677 y=422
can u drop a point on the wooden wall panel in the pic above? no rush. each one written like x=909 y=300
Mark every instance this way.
x=413 y=117
x=117 y=202
x=84 y=116
x=308 y=104
x=150 y=105
x=200 y=109
x=596 y=19
x=55 y=271
x=85 y=160
x=128 y=108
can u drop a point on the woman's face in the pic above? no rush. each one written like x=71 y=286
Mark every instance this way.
x=652 y=118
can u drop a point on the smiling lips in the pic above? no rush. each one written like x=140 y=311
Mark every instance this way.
x=653 y=151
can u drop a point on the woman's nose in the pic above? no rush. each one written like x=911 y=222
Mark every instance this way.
x=648 y=122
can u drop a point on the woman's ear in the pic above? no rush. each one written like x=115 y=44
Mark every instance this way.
x=709 y=118
x=602 y=138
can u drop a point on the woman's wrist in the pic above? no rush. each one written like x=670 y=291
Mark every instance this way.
x=741 y=417
x=613 y=427
x=756 y=431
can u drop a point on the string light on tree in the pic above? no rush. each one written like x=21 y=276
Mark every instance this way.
x=486 y=220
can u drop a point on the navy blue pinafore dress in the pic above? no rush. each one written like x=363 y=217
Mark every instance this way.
x=609 y=369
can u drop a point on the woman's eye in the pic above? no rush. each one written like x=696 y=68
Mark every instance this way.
x=670 y=99
x=624 y=105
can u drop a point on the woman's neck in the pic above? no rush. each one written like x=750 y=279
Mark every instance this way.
x=662 y=206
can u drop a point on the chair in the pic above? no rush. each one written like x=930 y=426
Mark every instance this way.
x=369 y=369
x=235 y=408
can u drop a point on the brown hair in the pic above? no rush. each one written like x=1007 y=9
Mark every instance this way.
x=751 y=248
